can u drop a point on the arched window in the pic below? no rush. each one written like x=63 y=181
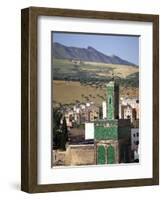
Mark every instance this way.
x=101 y=155
x=110 y=155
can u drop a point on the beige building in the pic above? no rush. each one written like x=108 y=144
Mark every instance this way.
x=127 y=112
x=129 y=108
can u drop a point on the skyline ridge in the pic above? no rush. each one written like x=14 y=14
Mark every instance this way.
x=89 y=53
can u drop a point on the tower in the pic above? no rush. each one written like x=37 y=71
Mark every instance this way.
x=112 y=135
x=112 y=100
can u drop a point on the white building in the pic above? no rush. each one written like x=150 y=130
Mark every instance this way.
x=127 y=112
x=135 y=142
x=89 y=131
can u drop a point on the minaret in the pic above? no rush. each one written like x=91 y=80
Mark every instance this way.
x=112 y=100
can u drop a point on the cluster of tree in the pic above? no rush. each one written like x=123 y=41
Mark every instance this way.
x=87 y=78
x=60 y=131
x=131 y=80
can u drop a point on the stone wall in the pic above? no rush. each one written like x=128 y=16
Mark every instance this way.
x=81 y=155
x=75 y=155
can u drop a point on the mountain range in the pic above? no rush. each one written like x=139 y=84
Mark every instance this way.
x=60 y=51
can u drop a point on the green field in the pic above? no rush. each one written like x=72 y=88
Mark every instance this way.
x=95 y=73
x=86 y=81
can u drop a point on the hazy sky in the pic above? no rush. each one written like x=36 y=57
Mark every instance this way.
x=126 y=47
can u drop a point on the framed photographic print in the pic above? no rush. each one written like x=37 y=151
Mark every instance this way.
x=90 y=100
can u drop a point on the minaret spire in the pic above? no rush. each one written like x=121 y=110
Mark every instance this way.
x=112 y=76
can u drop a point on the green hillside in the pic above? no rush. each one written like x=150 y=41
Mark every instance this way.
x=95 y=73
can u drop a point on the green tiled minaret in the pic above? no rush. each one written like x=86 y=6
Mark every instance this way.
x=112 y=134
x=112 y=100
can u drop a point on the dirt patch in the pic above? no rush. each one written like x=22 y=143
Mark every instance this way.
x=69 y=92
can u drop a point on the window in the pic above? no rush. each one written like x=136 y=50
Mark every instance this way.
x=110 y=100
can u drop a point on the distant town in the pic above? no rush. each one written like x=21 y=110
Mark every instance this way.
x=85 y=133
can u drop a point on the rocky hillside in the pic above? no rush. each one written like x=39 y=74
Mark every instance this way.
x=60 y=51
